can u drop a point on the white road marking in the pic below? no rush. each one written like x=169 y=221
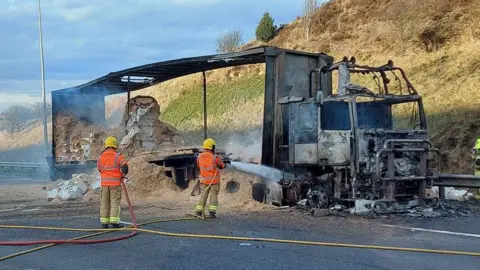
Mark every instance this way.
x=32 y=209
x=434 y=231
x=8 y=210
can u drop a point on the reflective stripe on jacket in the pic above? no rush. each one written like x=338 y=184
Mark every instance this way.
x=108 y=165
x=209 y=165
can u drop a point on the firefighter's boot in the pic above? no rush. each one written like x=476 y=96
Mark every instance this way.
x=213 y=215
x=104 y=226
x=117 y=226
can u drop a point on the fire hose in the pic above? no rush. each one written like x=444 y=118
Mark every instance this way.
x=136 y=229
x=77 y=241
x=238 y=238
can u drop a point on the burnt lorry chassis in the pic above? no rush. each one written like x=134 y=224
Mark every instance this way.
x=357 y=143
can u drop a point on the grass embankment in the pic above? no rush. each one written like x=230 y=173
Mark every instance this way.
x=232 y=108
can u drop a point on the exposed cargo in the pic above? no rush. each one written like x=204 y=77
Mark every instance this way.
x=78 y=134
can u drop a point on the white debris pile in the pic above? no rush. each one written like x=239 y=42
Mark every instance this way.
x=74 y=188
x=145 y=132
x=455 y=194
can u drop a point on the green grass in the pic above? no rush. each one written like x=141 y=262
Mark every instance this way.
x=221 y=98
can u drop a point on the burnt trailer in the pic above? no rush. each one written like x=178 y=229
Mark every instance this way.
x=86 y=102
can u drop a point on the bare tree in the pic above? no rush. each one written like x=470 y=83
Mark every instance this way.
x=13 y=119
x=229 y=42
x=37 y=109
x=309 y=8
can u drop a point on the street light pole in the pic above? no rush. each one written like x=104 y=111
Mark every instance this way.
x=44 y=95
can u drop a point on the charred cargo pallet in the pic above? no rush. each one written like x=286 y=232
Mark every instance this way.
x=181 y=164
x=181 y=167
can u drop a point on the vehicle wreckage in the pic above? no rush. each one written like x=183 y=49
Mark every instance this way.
x=355 y=144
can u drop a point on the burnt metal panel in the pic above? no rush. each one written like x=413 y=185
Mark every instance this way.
x=293 y=78
x=305 y=154
x=303 y=122
x=268 y=112
x=278 y=125
x=302 y=140
x=325 y=79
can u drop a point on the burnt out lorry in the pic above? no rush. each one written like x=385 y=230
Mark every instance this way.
x=356 y=143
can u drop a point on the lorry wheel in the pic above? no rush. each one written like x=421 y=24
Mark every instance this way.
x=258 y=192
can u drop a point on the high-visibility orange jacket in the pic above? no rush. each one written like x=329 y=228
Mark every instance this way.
x=109 y=165
x=209 y=164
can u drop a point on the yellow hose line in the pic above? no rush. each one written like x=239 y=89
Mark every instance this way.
x=329 y=244
x=103 y=231
x=238 y=238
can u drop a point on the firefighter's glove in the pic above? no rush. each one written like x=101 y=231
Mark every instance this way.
x=228 y=161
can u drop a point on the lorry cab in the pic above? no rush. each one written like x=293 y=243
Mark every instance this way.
x=335 y=130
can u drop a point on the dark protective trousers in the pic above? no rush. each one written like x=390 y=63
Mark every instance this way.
x=110 y=198
x=213 y=191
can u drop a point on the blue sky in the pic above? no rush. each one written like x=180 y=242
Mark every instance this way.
x=86 y=39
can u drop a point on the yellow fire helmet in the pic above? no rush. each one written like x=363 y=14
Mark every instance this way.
x=209 y=144
x=111 y=142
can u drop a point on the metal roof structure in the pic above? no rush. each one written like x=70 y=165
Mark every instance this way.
x=147 y=75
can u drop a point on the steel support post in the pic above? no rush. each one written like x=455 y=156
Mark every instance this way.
x=422 y=183
x=205 y=133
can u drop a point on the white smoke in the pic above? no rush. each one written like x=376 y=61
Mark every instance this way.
x=264 y=172
x=246 y=147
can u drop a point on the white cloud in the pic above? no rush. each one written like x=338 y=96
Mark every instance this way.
x=8 y=99
x=78 y=14
x=34 y=87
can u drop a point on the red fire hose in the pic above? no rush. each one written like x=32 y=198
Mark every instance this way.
x=106 y=240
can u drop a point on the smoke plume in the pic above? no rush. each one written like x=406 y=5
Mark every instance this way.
x=246 y=147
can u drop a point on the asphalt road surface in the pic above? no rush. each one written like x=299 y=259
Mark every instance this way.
x=147 y=251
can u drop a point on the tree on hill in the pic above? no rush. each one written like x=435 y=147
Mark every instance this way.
x=309 y=8
x=229 y=42
x=37 y=109
x=265 y=29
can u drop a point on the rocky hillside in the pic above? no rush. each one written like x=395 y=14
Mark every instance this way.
x=437 y=42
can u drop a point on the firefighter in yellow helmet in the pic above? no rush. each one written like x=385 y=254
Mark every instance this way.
x=112 y=167
x=209 y=166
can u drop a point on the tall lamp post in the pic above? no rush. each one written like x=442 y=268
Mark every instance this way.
x=44 y=95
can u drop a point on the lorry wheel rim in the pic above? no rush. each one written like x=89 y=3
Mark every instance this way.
x=232 y=186
x=318 y=198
